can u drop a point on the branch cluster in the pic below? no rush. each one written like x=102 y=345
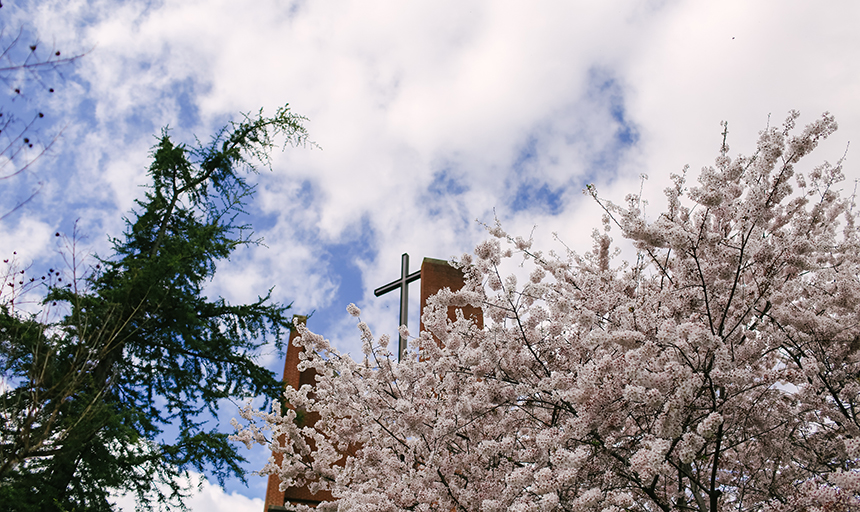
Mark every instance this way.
x=28 y=70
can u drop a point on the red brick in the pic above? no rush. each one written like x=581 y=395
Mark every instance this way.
x=437 y=275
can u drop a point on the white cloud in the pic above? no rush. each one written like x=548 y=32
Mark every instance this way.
x=208 y=497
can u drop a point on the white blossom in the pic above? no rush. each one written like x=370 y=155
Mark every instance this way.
x=353 y=310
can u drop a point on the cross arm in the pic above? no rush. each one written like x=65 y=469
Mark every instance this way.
x=397 y=284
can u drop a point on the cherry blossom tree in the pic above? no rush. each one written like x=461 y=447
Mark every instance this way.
x=720 y=370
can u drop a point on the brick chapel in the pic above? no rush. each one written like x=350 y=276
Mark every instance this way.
x=435 y=275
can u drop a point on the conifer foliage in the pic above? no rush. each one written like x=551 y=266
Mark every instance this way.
x=86 y=399
x=720 y=370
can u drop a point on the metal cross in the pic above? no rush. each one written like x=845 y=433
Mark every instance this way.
x=402 y=283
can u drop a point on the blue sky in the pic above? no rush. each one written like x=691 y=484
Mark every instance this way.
x=430 y=117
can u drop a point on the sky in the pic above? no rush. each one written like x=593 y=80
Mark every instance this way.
x=430 y=120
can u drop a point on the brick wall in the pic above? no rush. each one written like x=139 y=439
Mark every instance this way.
x=275 y=499
x=437 y=275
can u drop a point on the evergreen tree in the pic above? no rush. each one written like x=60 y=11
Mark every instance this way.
x=86 y=400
